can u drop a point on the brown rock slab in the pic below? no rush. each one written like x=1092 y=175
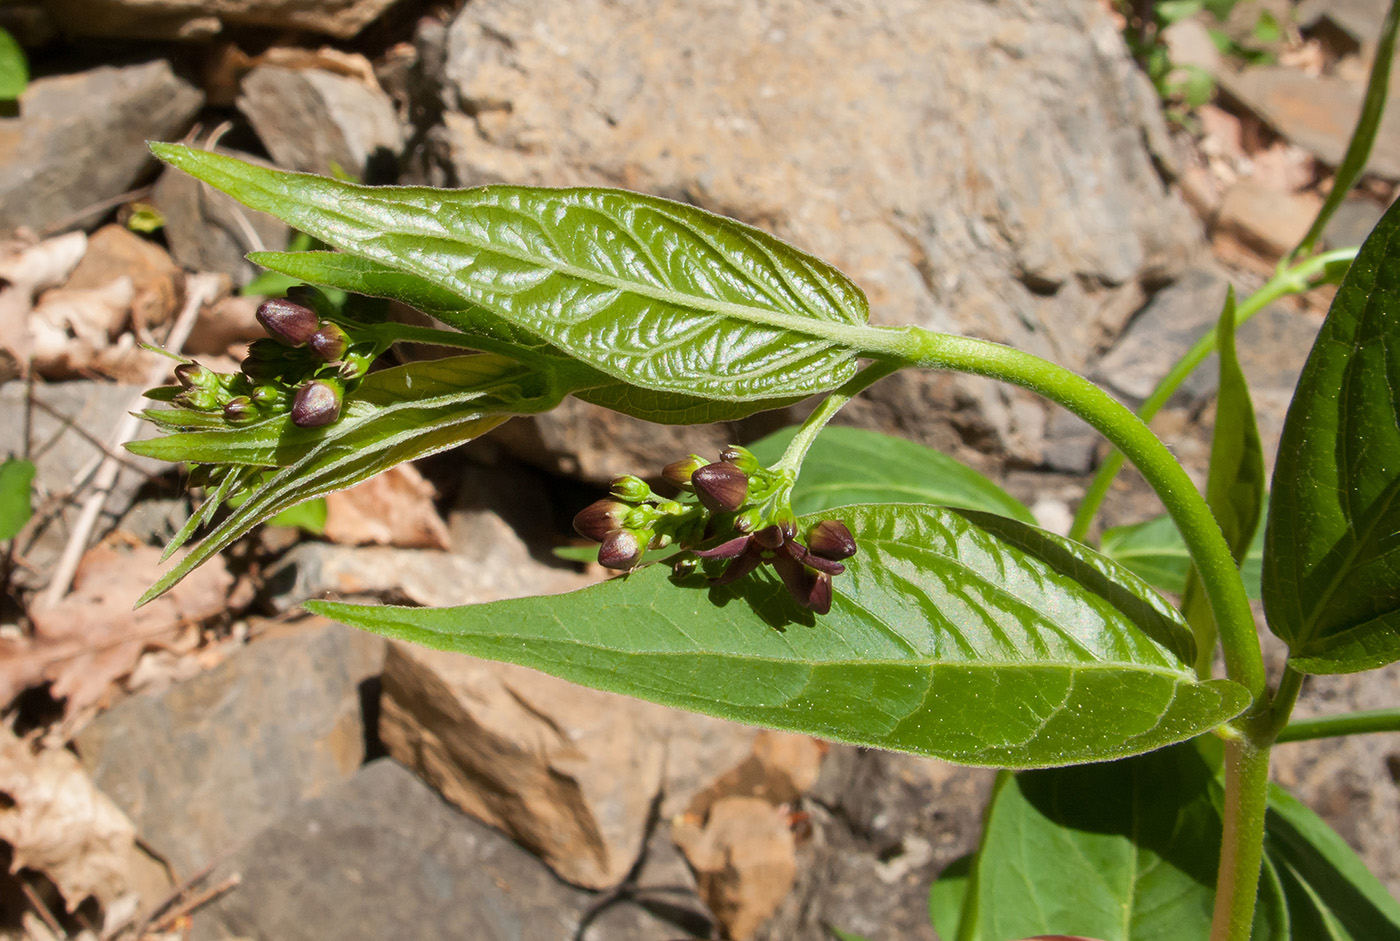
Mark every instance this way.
x=1264 y=219
x=205 y=764
x=200 y=19
x=571 y=773
x=80 y=139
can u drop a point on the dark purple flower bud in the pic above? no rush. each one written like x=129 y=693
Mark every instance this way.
x=330 y=343
x=830 y=539
x=621 y=550
x=317 y=403
x=195 y=376
x=741 y=458
x=599 y=518
x=239 y=410
x=722 y=487
x=770 y=537
x=288 y=321
x=629 y=488
x=678 y=473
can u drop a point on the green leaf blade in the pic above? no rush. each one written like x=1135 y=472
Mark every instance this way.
x=14 y=67
x=1332 y=552
x=653 y=293
x=16 y=477
x=1154 y=551
x=948 y=637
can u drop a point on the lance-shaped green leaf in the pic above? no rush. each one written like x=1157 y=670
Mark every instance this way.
x=853 y=465
x=1235 y=481
x=397 y=415
x=489 y=332
x=16 y=476
x=1332 y=547
x=1154 y=550
x=960 y=635
x=654 y=293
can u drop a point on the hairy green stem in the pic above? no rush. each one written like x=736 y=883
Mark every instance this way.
x=1295 y=280
x=1242 y=848
x=801 y=442
x=1282 y=702
x=1351 y=723
x=1211 y=554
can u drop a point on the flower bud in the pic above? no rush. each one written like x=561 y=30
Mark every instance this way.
x=317 y=403
x=769 y=537
x=741 y=458
x=621 y=550
x=266 y=396
x=722 y=487
x=354 y=366
x=598 y=519
x=239 y=410
x=195 y=376
x=830 y=539
x=819 y=598
x=629 y=488
x=287 y=321
x=330 y=343
x=678 y=473
x=201 y=400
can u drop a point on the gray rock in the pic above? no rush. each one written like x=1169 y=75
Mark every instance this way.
x=382 y=856
x=208 y=231
x=199 y=19
x=1359 y=19
x=315 y=121
x=1352 y=222
x=895 y=140
x=80 y=139
x=205 y=764
x=1316 y=113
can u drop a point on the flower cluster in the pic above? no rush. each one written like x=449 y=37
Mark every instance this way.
x=305 y=368
x=740 y=514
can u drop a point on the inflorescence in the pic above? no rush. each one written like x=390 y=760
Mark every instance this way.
x=740 y=514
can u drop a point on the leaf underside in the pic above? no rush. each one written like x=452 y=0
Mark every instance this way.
x=954 y=634
x=1332 y=547
x=654 y=293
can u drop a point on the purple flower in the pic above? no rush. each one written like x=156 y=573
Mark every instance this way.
x=806 y=574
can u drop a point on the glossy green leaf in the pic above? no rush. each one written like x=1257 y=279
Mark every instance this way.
x=396 y=415
x=654 y=293
x=16 y=476
x=1124 y=851
x=1154 y=550
x=1331 y=894
x=852 y=465
x=1332 y=547
x=960 y=635
x=1235 y=480
x=14 y=67
x=362 y=276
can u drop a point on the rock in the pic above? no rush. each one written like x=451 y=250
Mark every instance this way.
x=225 y=327
x=746 y=861
x=208 y=231
x=1359 y=19
x=198 y=19
x=1071 y=444
x=80 y=139
x=316 y=121
x=1265 y=219
x=896 y=142
x=569 y=772
x=115 y=251
x=394 y=508
x=1317 y=113
x=207 y=763
x=381 y=856
x=1190 y=44
x=1352 y=222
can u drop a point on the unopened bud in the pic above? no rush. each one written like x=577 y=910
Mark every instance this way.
x=678 y=473
x=288 y=321
x=722 y=487
x=631 y=489
x=330 y=343
x=621 y=550
x=598 y=519
x=195 y=376
x=201 y=400
x=354 y=367
x=770 y=537
x=830 y=539
x=239 y=410
x=741 y=458
x=266 y=396
x=317 y=403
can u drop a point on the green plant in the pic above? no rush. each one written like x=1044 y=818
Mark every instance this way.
x=14 y=67
x=844 y=584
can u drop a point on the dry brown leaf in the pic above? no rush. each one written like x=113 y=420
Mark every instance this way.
x=70 y=327
x=60 y=824
x=24 y=272
x=92 y=638
x=393 y=509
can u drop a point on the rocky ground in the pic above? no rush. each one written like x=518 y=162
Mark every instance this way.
x=217 y=766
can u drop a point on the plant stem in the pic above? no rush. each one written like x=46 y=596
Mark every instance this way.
x=1219 y=577
x=801 y=442
x=1295 y=280
x=1242 y=850
x=1351 y=723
